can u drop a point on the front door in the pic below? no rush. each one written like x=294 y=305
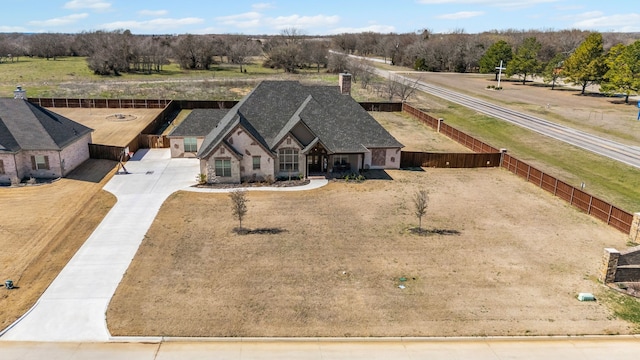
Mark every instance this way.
x=317 y=160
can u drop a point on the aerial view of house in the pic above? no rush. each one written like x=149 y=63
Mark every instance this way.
x=38 y=143
x=287 y=129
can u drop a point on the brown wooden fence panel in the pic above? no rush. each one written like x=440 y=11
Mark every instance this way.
x=599 y=209
x=620 y=219
x=97 y=151
x=549 y=183
x=581 y=200
x=564 y=191
x=522 y=169
x=382 y=106
x=448 y=160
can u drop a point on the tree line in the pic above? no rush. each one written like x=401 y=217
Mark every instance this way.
x=580 y=57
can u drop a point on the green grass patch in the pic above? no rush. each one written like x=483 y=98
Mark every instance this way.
x=623 y=306
x=609 y=180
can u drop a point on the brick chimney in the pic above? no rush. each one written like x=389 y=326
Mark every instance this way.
x=19 y=93
x=344 y=80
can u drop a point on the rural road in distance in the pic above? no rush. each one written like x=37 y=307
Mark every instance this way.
x=626 y=154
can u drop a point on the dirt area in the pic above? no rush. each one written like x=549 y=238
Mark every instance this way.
x=42 y=226
x=416 y=136
x=336 y=269
x=115 y=127
x=605 y=116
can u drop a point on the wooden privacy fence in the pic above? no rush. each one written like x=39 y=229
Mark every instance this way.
x=101 y=103
x=593 y=206
x=107 y=152
x=600 y=209
x=448 y=160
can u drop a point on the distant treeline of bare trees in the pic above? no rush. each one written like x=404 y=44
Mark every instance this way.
x=117 y=52
x=552 y=54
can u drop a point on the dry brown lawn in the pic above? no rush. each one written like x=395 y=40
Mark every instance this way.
x=515 y=268
x=109 y=129
x=41 y=227
x=416 y=136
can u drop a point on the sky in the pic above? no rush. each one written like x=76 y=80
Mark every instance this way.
x=310 y=17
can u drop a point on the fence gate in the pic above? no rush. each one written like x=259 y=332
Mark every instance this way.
x=154 y=141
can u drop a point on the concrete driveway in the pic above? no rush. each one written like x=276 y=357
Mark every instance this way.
x=73 y=307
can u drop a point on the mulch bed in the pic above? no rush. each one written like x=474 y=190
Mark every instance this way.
x=286 y=183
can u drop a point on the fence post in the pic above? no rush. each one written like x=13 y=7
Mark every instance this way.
x=555 y=188
x=502 y=152
x=571 y=200
x=440 y=121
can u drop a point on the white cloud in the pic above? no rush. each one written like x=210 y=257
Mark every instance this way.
x=619 y=22
x=262 y=6
x=301 y=22
x=383 y=29
x=97 y=5
x=158 y=25
x=153 y=12
x=245 y=20
x=11 y=29
x=461 y=15
x=60 y=21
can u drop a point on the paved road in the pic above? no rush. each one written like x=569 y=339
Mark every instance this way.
x=330 y=349
x=627 y=154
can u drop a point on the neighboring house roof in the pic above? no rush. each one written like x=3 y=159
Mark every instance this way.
x=273 y=108
x=26 y=126
x=199 y=122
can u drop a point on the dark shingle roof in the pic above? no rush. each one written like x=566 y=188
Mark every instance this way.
x=26 y=126
x=274 y=107
x=200 y=122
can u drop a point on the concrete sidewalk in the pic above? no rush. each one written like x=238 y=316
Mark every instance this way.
x=73 y=307
x=566 y=348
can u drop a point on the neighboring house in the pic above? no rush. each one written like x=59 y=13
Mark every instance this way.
x=38 y=143
x=286 y=129
x=186 y=139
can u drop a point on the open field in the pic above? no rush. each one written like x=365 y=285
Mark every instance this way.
x=109 y=128
x=70 y=77
x=41 y=227
x=515 y=268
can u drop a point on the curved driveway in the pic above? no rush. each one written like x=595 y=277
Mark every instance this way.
x=73 y=307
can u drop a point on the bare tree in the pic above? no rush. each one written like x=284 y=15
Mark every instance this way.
x=284 y=51
x=421 y=203
x=316 y=52
x=338 y=62
x=401 y=87
x=361 y=71
x=239 y=204
x=241 y=49
x=48 y=45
